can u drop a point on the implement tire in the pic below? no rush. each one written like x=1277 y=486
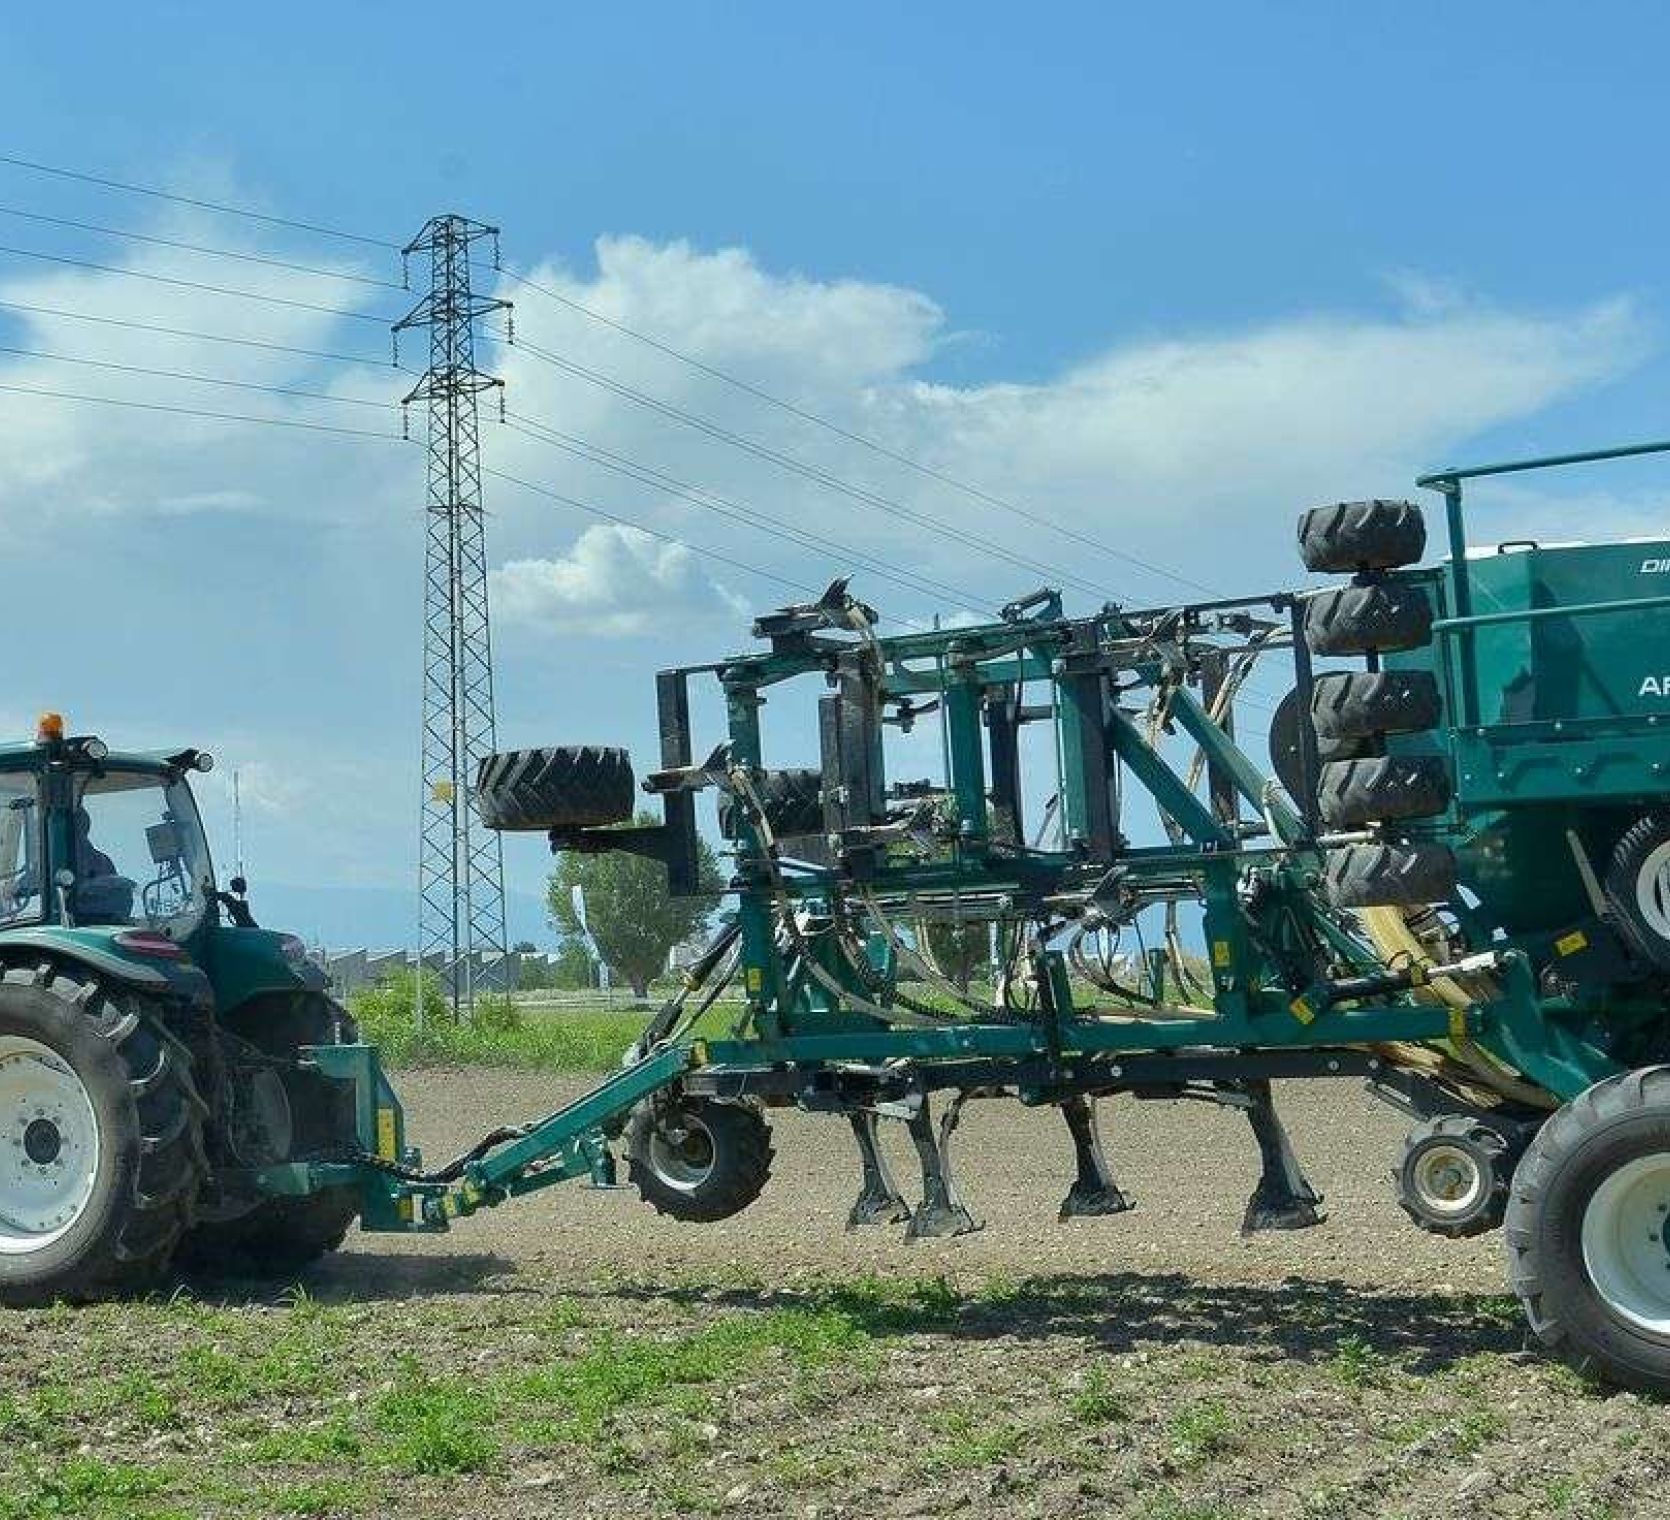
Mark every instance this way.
x=1351 y=793
x=1361 y=619
x=281 y=1235
x=1585 y=1232
x=1452 y=1179
x=1637 y=888
x=1384 y=875
x=576 y=786
x=1347 y=705
x=1361 y=535
x=698 y=1160
x=793 y=802
x=101 y=1138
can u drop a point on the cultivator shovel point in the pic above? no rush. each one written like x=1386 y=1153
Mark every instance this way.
x=1094 y=1192
x=879 y=1200
x=1284 y=1198
x=942 y=1211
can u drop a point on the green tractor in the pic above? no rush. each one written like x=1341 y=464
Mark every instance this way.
x=148 y=1038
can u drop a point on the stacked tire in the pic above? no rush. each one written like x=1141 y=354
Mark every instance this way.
x=1359 y=785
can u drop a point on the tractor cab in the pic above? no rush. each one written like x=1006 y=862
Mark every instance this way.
x=89 y=839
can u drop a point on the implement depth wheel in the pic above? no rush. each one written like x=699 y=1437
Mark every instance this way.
x=1586 y=1232
x=1453 y=1179
x=698 y=1160
x=101 y=1148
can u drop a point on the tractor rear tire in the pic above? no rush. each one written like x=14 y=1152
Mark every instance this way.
x=1585 y=1232
x=282 y=1235
x=1384 y=875
x=1637 y=888
x=1351 y=793
x=1348 y=705
x=1453 y=1177
x=1361 y=619
x=1361 y=535
x=698 y=1160
x=793 y=801
x=101 y=1138
x=576 y=786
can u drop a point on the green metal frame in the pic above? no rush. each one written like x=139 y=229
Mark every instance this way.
x=1257 y=887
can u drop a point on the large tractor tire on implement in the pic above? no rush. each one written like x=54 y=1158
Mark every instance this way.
x=101 y=1155
x=280 y=1111
x=573 y=786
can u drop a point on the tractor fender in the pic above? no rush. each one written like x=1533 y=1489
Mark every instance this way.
x=96 y=949
x=247 y=963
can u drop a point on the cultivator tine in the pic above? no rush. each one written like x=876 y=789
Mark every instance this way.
x=879 y=1200
x=1094 y=1192
x=1284 y=1198
x=941 y=1211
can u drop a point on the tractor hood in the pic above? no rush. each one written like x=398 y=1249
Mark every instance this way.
x=245 y=963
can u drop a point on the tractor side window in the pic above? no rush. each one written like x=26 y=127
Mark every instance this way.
x=20 y=886
x=139 y=856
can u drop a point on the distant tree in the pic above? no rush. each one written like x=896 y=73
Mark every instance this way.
x=568 y=971
x=525 y=947
x=633 y=917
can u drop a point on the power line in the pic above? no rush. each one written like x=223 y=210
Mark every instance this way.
x=175 y=374
x=218 y=290
x=219 y=253
x=201 y=337
x=799 y=467
x=728 y=508
x=805 y=414
x=191 y=411
x=202 y=205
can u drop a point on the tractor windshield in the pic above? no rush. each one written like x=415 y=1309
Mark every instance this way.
x=139 y=854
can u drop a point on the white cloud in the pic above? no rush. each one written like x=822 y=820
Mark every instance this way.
x=613 y=581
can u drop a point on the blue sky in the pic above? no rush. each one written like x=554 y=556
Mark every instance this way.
x=1168 y=273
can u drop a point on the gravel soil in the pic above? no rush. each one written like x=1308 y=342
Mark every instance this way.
x=575 y=1354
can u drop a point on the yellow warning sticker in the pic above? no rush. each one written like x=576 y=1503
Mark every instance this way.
x=1220 y=952
x=1301 y=1010
x=1570 y=944
x=385 y=1135
x=755 y=979
x=1458 y=1023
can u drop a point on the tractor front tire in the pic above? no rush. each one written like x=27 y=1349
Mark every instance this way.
x=1585 y=1232
x=576 y=786
x=101 y=1142
x=282 y=1235
x=699 y=1159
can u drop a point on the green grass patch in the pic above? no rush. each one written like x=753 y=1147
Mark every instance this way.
x=435 y=1424
x=582 y=1040
x=1201 y=1431
x=81 y=1487
x=1097 y=1401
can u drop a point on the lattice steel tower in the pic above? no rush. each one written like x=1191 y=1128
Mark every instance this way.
x=461 y=919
